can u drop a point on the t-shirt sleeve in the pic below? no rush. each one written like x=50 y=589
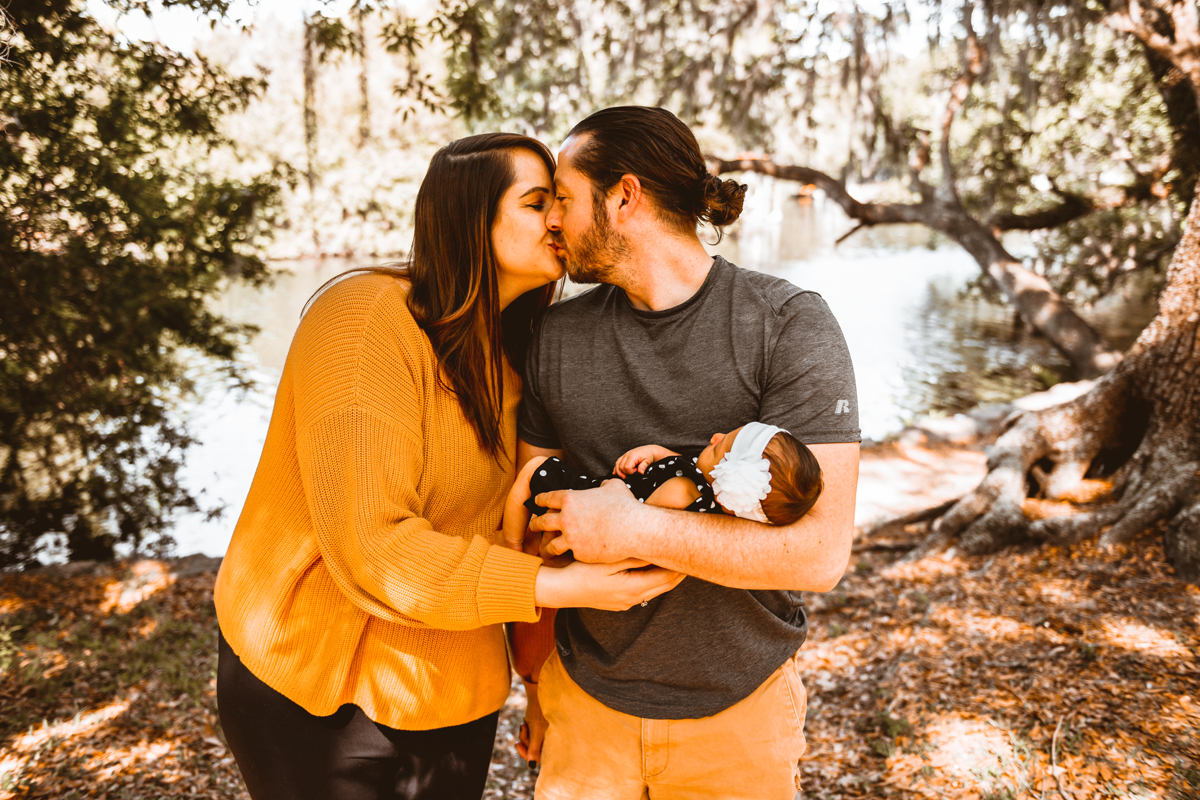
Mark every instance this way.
x=533 y=421
x=810 y=388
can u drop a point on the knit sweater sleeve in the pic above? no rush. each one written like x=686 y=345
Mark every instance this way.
x=361 y=378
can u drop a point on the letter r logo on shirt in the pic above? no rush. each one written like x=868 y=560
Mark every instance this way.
x=843 y=407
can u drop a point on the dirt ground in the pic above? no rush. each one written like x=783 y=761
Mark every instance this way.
x=1035 y=673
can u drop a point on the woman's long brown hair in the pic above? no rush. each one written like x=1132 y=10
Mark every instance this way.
x=452 y=272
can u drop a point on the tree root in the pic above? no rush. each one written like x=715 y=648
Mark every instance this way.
x=1161 y=503
x=1048 y=447
x=1183 y=542
x=911 y=519
x=1049 y=453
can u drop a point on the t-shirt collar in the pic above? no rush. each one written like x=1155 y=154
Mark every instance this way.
x=718 y=265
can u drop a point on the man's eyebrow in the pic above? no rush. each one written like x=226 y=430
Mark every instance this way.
x=535 y=189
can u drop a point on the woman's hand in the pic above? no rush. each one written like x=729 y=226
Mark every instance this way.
x=533 y=730
x=609 y=587
x=639 y=458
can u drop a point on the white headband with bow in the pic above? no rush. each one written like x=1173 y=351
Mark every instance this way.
x=742 y=480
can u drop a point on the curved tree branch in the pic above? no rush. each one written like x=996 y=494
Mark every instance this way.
x=1070 y=207
x=866 y=213
x=1031 y=294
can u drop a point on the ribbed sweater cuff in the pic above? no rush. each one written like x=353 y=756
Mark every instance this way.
x=506 y=586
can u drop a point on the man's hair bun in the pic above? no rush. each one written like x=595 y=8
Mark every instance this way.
x=655 y=145
x=723 y=200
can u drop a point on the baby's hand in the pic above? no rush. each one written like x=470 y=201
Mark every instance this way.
x=636 y=460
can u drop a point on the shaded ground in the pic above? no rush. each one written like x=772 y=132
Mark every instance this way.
x=108 y=690
x=951 y=677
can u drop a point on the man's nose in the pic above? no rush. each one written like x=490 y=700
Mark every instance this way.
x=554 y=217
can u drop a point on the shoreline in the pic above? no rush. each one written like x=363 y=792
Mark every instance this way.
x=930 y=462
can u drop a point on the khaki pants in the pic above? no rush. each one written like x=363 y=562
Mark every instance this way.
x=750 y=750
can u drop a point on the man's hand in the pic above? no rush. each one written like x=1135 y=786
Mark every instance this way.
x=598 y=525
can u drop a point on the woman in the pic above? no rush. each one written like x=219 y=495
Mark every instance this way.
x=360 y=601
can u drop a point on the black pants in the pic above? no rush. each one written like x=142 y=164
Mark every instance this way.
x=286 y=753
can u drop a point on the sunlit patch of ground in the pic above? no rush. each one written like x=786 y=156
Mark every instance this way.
x=142 y=581
x=1036 y=673
x=893 y=474
x=1133 y=635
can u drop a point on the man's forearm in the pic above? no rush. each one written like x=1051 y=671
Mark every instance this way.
x=607 y=525
x=808 y=556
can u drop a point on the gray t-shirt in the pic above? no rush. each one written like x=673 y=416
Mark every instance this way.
x=603 y=377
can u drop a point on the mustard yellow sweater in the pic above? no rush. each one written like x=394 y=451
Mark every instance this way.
x=364 y=568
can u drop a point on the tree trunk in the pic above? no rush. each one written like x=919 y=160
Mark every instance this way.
x=1119 y=459
x=310 y=125
x=364 y=96
x=84 y=543
x=1182 y=111
x=1125 y=456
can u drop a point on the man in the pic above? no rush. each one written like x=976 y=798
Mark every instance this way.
x=695 y=693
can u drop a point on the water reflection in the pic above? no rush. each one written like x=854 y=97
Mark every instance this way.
x=920 y=344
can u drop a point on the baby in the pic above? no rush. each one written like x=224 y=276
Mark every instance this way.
x=757 y=472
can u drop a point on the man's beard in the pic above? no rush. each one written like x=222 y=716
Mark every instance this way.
x=600 y=251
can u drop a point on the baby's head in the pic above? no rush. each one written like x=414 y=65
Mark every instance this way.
x=794 y=477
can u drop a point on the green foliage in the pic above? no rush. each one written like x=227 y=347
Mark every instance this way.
x=8 y=651
x=112 y=238
x=403 y=36
x=330 y=37
x=893 y=726
x=1083 y=118
x=883 y=747
x=1065 y=107
x=514 y=62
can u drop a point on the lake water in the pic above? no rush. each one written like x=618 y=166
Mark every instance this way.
x=921 y=344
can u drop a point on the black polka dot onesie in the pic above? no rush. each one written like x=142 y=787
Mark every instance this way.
x=555 y=474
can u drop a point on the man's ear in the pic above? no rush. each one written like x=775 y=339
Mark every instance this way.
x=628 y=192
